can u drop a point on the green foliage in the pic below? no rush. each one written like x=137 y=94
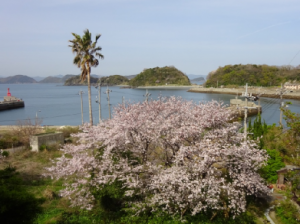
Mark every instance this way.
x=275 y=162
x=258 y=75
x=258 y=130
x=76 y=81
x=8 y=139
x=160 y=76
x=96 y=216
x=17 y=204
x=68 y=130
x=42 y=147
x=113 y=80
x=288 y=213
x=50 y=130
x=293 y=122
x=5 y=153
x=111 y=197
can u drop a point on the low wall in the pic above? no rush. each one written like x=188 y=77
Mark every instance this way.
x=15 y=149
x=45 y=139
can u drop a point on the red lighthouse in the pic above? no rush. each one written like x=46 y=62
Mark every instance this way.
x=8 y=93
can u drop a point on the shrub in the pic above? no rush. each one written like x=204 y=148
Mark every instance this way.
x=42 y=147
x=274 y=163
x=17 y=205
x=67 y=131
x=288 y=213
x=5 y=153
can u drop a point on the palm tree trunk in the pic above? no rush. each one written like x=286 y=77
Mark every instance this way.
x=90 y=98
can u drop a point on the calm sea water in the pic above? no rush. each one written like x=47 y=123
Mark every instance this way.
x=60 y=105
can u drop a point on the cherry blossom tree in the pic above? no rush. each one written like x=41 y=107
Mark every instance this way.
x=171 y=154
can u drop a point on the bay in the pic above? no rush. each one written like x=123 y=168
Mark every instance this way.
x=60 y=105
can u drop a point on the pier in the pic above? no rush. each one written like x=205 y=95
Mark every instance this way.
x=11 y=102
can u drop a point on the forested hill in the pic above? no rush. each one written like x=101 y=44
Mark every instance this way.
x=160 y=76
x=113 y=80
x=258 y=75
x=76 y=81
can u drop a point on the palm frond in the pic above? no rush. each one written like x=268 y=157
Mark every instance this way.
x=95 y=63
x=97 y=37
x=99 y=55
x=86 y=52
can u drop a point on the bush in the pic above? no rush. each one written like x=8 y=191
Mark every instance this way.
x=42 y=147
x=17 y=205
x=274 y=163
x=288 y=213
x=67 y=131
x=5 y=153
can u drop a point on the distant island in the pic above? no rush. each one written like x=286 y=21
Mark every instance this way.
x=51 y=79
x=17 y=79
x=105 y=81
x=55 y=79
x=157 y=76
x=255 y=75
x=76 y=81
x=198 y=79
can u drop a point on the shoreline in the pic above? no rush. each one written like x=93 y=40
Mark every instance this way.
x=269 y=92
x=164 y=87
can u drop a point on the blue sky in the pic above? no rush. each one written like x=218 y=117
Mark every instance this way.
x=196 y=36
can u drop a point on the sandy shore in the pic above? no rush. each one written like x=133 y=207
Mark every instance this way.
x=267 y=91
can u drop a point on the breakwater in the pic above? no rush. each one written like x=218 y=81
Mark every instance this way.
x=265 y=92
x=11 y=105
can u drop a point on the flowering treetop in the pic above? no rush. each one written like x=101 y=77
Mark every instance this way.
x=174 y=155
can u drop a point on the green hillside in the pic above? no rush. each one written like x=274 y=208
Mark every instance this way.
x=160 y=76
x=76 y=81
x=257 y=75
x=113 y=80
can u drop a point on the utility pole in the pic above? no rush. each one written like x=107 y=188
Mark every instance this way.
x=107 y=92
x=99 y=99
x=281 y=91
x=123 y=101
x=80 y=93
x=147 y=95
x=246 y=111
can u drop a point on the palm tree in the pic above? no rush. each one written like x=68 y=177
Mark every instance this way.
x=86 y=52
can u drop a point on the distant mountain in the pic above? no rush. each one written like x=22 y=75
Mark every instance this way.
x=66 y=77
x=51 y=79
x=38 y=78
x=130 y=76
x=76 y=81
x=198 y=79
x=192 y=76
x=16 y=79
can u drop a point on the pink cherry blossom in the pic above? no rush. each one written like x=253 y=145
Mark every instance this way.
x=177 y=155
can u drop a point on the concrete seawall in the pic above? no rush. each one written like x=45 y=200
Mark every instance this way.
x=267 y=92
x=11 y=105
